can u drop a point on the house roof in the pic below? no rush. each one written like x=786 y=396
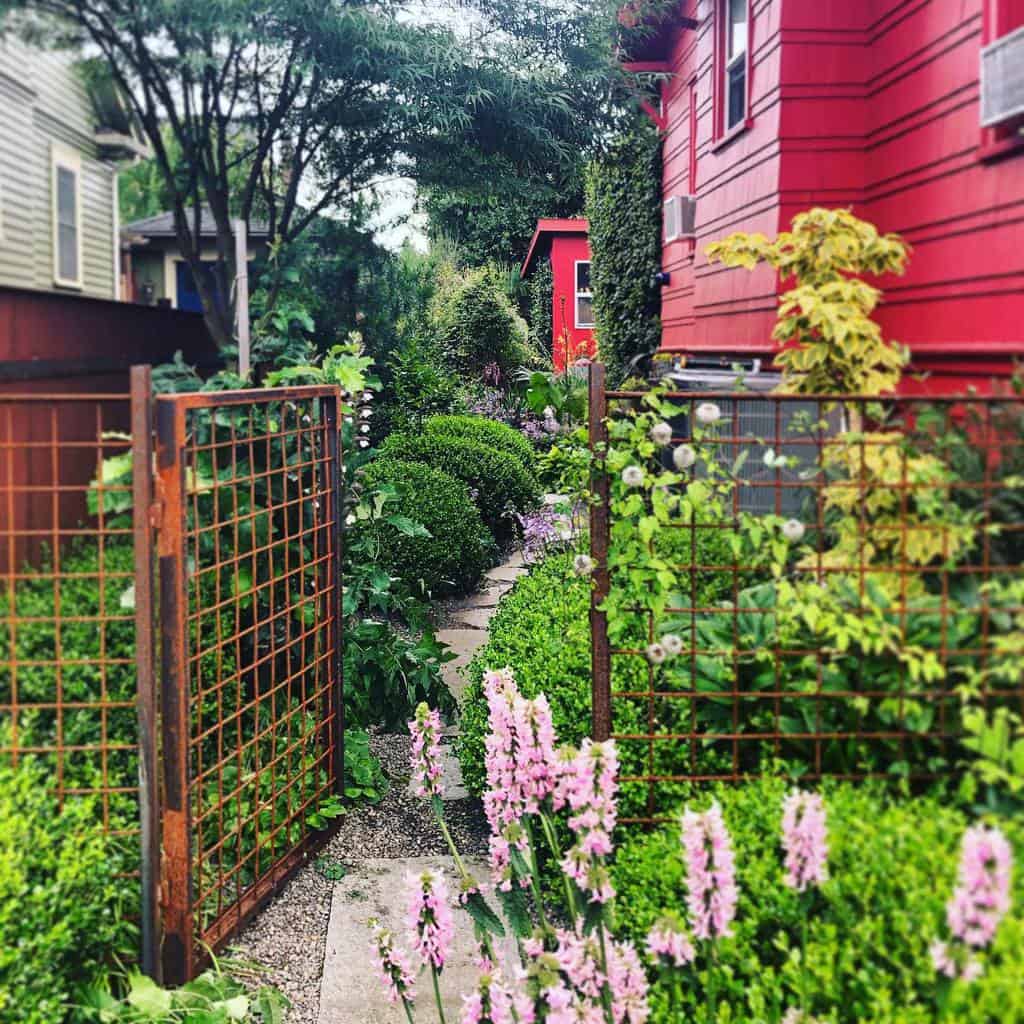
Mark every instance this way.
x=547 y=228
x=161 y=225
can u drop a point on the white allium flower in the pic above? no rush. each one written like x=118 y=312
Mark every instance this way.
x=708 y=413
x=365 y=428
x=793 y=530
x=350 y=520
x=366 y=413
x=363 y=443
x=583 y=565
x=673 y=644
x=684 y=457
x=633 y=476
x=367 y=396
x=655 y=653
x=661 y=433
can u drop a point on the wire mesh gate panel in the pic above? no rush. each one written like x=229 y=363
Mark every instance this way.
x=249 y=565
x=845 y=574
x=68 y=683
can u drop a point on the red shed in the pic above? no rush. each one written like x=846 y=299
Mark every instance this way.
x=909 y=111
x=563 y=242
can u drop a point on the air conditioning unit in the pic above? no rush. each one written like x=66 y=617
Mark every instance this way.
x=1002 y=79
x=680 y=213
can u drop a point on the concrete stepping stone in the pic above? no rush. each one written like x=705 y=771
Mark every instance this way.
x=474 y=618
x=464 y=643
x=350 y=990
x=506 y=573
x=486 y=598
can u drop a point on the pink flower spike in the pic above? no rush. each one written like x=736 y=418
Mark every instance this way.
x=710 y=873
x=669 y=946
x=425 y=753
x=392 y=965
x=982 y=895
x=429 y=918
x=805 y=840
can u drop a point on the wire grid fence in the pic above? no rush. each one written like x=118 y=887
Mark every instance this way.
x=846 y=569
x=67 y=632
x=249 y=563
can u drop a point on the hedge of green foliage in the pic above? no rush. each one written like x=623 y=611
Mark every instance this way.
x=623 y=189
x=541 y=631
x=893 y=865
x=490 y=432
x=475 y=325
x=459 y=549
x=540 y=293
x=498 y=483
x=60 y=902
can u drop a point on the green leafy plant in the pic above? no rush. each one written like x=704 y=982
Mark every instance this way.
x=623 y=209
x=64 y=912
x=500 y=486
x=456 y=548
x=892 y=865
x=364 y=777
x=832 y=346
x=218 y=996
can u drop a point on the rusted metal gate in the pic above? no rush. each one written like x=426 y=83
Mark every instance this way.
x=249 y=569
x=221 y=765
x=931 y=487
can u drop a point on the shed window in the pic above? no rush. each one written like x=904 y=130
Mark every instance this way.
x=67 y=219
x=735 y=71
x=584 y=296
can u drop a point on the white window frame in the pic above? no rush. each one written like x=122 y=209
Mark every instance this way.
x=578 y=294
x=66 y=159
x=729 y=63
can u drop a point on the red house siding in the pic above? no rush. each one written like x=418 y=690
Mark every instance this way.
x=564 y=242
x=873 y=105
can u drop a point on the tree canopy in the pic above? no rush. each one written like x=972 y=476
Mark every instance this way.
x=295 y=108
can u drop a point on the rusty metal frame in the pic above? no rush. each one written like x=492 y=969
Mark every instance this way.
x=736 y=739
x=216 y=695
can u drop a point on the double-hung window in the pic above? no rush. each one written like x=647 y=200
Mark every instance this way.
x=67 y=217
x=1002 y=77
x=734 y=85
x=584 y=296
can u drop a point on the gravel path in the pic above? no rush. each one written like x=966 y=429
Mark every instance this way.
x=288 y=936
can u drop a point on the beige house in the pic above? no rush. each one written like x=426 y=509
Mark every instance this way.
x=59 y=142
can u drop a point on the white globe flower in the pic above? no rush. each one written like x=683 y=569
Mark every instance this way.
x=366 y=414
x=367 y=396
x=684 y=457
x=655 y=653
x=708 y=413
x=583 y=565
x=350 y=520
x=365 y=428
x=673 y=644
x=661 y=434
x=793 y=530
x=633 y=476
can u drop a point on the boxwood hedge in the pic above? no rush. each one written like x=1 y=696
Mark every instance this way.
x=490 y=432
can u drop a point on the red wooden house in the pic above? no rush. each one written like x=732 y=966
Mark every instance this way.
x=909 y=111
x=563 y=242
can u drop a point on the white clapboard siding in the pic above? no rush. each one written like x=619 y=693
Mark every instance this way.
x=44 y=102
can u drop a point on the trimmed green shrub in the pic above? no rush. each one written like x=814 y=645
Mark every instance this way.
x=498 y=483
x=623 y=189
x=490 y=432
x=459 y=549
x=475 y=324
x=60 y=900
x=893 y=865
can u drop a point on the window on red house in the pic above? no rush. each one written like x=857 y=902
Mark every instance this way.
x=735 y=85
x=584 y=296
x=1002 y=74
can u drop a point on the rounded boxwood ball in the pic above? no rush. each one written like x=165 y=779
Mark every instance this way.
x=498 y=483
x=459 y=549
x=490 y=432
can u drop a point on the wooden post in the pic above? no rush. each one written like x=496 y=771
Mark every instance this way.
x=600 y=656
x=242 y=296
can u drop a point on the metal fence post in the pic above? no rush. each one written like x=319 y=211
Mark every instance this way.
x=149 y=807
x=599 y=650
x=176 y=874
x=335 y=455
